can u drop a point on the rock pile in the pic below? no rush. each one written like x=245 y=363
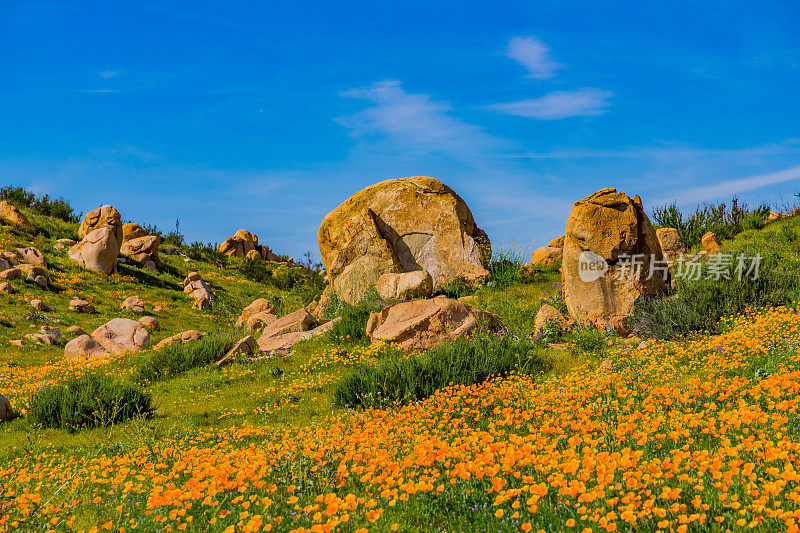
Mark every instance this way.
x=245 y=244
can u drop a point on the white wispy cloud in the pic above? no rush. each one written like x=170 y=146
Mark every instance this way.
x=108 y=74
x=533 y=55
x=556 y=105
x=416 y=122
x=728 y=188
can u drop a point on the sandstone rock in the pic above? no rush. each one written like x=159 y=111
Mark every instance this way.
x=711 y=243
x=404 y=286
x=528 y=272
x=260 y=320
x=6 y=288
x=31 y=271
x=202 y=303
x=6 y=413
x=195 y=287
x=191 y=276
x=548 y=316
x=47 y=335
x=424 y=324
x=15 y=342
x=59 y=246
x=11 y=273
x=253 y=255
x=546 y=255
x=134 y=304
x=102 y=217
x=183 y=337
x=774 y=215
x=132 y=230
x=141 y=249
x=76 y=331
x=259 y=305
x=241 y=244
x=604 y=231
x=39 y=305
x=149 y=322
x=31 y=255
x=40 y=281
x=244 y=346
x=83 y=346
x=402 y=225
x=558 y=242
x=97 y=251
x=122 y=335
x=671 y=244
x=81 y=306
x=285 y=342
x=300 y=320
x=67 y=242
x=12 y=215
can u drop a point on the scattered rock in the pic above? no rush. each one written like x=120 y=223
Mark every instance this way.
x=599 y=285
x=67 y=242
x=6 y=288
x=6 y=413
x=47 y=335
x=202 y=304
x=81 y=306
x=240 y=244
x=285 y=342
x=774 y=215
x=260 y=320
x=157 y=309
x=121 y=335
x=711 y=243
x=12 y=215
x=142 y=249
x=548 y=316
x=424 y=324
x=102 y=217
x=546 y=255
x=132 y=230
x=97 y=251
x=260 y=305
x=15 y=342
x=75 y=331
x=11 y=273
x=401 y=225
x=404 y=286
x=40 y=281
x=558 y=242
x=671 y=244
x=184 y=337
x=149 y=322
x=134 y=304
x=195 y=287
x=39 y=305
x=58 y=246
x=31 y=255
x=83 y=346
x=300 y=320
x=244 y=346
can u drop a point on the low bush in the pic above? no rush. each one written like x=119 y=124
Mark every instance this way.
x=42 y=205
x=88 y=401
x=177 y=358
x=466 y=361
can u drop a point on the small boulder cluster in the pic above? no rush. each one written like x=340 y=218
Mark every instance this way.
x=245 y=244
x=200 y=290
x=27 y=264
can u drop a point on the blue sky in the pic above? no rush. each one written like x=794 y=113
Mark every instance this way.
x=267 y=115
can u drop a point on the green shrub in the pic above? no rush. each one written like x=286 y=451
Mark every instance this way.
x=466 y=361
x=42 y=205
x=725 y=222
x=177 y=358
x=589 y=340
x=88 y=401
x=352 y=327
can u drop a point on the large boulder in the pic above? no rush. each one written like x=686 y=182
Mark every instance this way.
x=402 y=225
x=83 y=346
x=196 y=287
x=711 y=243
x=32 y=256
x=549 y=317
x=141 y=249
x=182 y=337
x=97 y=250
x=240 y=244
x=6 y=413
x=132 y=230
x=300 y=320
x=671 y=244
x=12 y=215
x=546 y=255
x=607 y=234
x=404 y=286
x=122 y=335
x=424 y=324
x=285 y=342
x=102 y=217
x=260 y=305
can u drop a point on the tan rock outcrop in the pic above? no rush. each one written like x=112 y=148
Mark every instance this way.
x=424 y=324
x=300 y=320
x=558 y=242
x=97 y=251
x=260 y=320
x=142 y=249
x=32 y=256
x=711 y=243
x=81 y=306
x=12 y=215
x=122 y=335
x=183 y=337
x=134 y=304
x=196 y=287
x=402 y=225
x=244 y=346
x=548 y=317
x=546 y=255
x=83 y=346
x=132 y=230
x=102 y=217
x=671 y=244
x=260 y=305
x=404 y=286
x=605 y=231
